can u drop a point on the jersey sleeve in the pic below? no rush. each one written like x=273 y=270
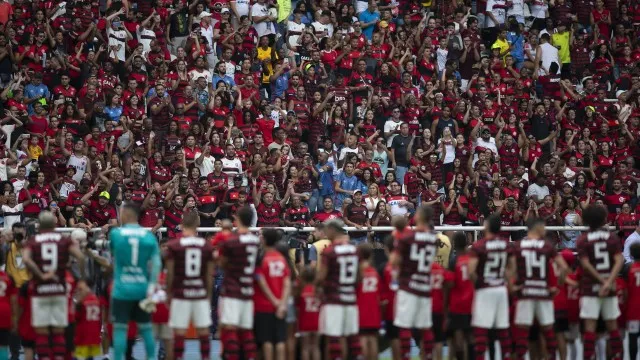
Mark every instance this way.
x=614 y=244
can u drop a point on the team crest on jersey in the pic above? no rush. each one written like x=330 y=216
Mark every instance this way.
x=273 y=210
x=621 y=199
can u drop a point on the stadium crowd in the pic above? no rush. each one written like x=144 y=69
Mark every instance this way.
x=310 y=111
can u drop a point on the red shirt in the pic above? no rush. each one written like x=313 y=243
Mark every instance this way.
x=369 y=299
x=438 y=276
x=308 y=309
x=161 y=315
x=89 y=322
x=633 y=292
x=7 y=291
x=461 y=296
x=274 y=270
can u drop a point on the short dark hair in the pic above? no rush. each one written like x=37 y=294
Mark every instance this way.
x=191 y=220
x=365 y=251
x=459 y=240
x=425 y=213
x=245 y=216
x=594 y=216
x=270 y=236
x=634 y=250
x=132 y=207
x=493 y=223
x=535 y=221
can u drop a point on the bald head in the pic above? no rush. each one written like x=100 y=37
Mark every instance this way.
x=47 y=220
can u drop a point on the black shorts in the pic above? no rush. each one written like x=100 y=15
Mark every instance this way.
x=459 y=322
x=28 y=344
x=4 y=337
x=392 y=331
x=269 y=329
x=123 y=311
x=369 y=331
x=438 y=327
x=561 y=324
x=69 y=336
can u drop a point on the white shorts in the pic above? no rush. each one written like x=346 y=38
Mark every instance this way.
x=183 y=312
x=527 y=308
x=591 y=307
x=235 y=312
x=412 y=311
x=339 y=320
x=49 y=311
x=491 y=308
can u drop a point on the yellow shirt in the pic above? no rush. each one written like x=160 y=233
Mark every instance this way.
x=444 y=251
x=15 y=267
x=35 y=151
x=320 y=245
x=262 y=55
x=284 y=9
x=561 y=41
x=503 y=45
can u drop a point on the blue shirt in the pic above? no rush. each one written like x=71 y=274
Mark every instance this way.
x=367 y=17
x=349 y=183
x=281 y=85
x=326 y=179
x=113 y=113
x=134 y=249
x=33 y=91
x=518 y=45
x=226 y=78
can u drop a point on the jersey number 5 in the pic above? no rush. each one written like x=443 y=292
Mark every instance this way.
x=602 y=255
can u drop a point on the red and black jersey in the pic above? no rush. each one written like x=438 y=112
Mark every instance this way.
x=191 y=256
x=492 y=259
x=172 y=220
x=299 y=216
x=149 y=217
x=269 y=216
x=532 y=259
x=417 y=250
x=242 y=252
x=50 y=251
x=323 y=216
x=600 y=247
x=341 y=262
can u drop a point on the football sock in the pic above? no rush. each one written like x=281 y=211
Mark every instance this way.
x=505 y=343
x=616 y=345
x=481 y=338
x=119 y=340
x=178 y=346
x=405 y=344
x=633 y=345
x=59 y=346
x=205 y=347
x=4 y=353
x=589 y=340
x=427 y=344
x=522 y=342
x=146 y=331
x=335 y=348
x=230 y=346
x=355 y=347
x=42 y=347
x=552 y=342
x=249 y=348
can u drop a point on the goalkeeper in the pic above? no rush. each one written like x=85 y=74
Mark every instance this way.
x=136 y=264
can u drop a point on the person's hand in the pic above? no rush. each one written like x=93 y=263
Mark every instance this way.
x=605 y=288
x=281 y=310
x=49 y=276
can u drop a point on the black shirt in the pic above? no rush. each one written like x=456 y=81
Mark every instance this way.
x=400 y=144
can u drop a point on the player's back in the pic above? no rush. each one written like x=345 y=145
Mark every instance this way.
x=492 y=260
x=89 y=321
x=461 y=295
x=191 y=255
x=241 y=252
x=534 y=273
x=369 y=299
x=341 y=262
x=50 y=252
x=600 y=247
x=274 y=269
x=132 y=248
x=418 y=251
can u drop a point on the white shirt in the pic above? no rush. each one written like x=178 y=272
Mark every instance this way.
x=206 y=167
x=242 y=7
x=517 y=8
x=539 y=191
x=195 y=74
x=117 y=37
x=345 y=150
x=491 y=145
x=231 y=167
x=499 y=12
x=12 y=215
x=539 y=9
x=549 y=55
x=391 y=126
x=145 y=36
x=80 y=163
x=17 y=185
x=295 y=31
x=207 y=33
x=265 y=27
x=632 y=239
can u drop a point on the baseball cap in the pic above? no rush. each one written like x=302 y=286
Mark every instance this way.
x=568 y=183
x=224 y=10
x=204 y=14
x=105 y=194
x=357 y=191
